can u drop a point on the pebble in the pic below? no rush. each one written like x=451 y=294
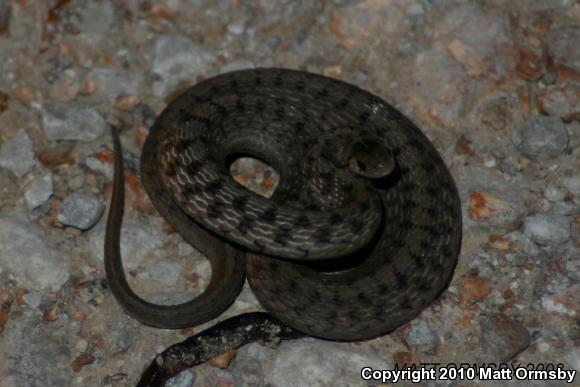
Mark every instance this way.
x=17 y=155
x=39 y=190
x=319 y=363
x=176 y=59
x=563 y=49
x=72 y=121
x=33 y=299
x=545 y=229
x=114 y=82
x=138 y=241
x=503 y=338
x=22 y=241
x=166 y=272
x=542 y=138
x=561 y=103
x=572 y=184
x=184 y=379
x=80 y=211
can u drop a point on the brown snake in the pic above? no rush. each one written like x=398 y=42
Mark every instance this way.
x=347 y=269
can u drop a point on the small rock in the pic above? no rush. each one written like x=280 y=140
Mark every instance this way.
x=236 y=28
x=542 y=138
x=72 y=121
x=166 y=272
x=563 y=50
x=178 y=59
x=503 y=338
x=33 y=299
x=547 y=229
x=318 y=363
x=553 y=194
x=17 y=155
x=560 y=103
x=22 y=242
x=112 y=83
x=184 y=249
x=80 y=211
x=564 y=208
x=38 y=190
x=572 y=184
x=183 y=379
x=524 y=243
x=138 y=240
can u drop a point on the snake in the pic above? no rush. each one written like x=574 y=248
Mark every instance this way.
x=340 y=251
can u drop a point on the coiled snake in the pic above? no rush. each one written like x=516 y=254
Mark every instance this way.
x=366 y=255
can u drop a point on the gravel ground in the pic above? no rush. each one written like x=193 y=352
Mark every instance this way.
x=494 y=84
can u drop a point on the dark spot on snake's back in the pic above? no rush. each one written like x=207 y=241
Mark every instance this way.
x=194 y=167
x=342 y=104
x=281 y=239
x=213 y=210
x=183 y=145
x=299 y=126
x=292 y=285
x=364 y=117
x=280 y=113
x=300 y=85
x=259 y=245
x=417 y=259
x=239 y=202
x=302 y=221
x=323 y=236
x=269 y=215
x=323 y=92
x=214 y=186
x=406 y=303
x=170 y=169
x=336 y=218
x=244 y=227
x=356 y=226
x=400 y=278
x=260 y=106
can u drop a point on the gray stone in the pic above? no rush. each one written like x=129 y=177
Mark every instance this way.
x=563 y=47
x=547 y=229
x=17 y=155
x=113 y=82
x=564 y=208
x=177 y=59
x=28 y=257
x=524 y=243
x=33 y=299
x=553 y=194
x=183 y=379
x=320 y=363
x=542 y=138
x=138 y=240
x=80 y=211
x=72 y=121
x=166 y=272
x=38 y=190
x=572 y=184
x=503 y=338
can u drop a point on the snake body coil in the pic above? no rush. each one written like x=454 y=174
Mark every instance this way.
x=350 y=270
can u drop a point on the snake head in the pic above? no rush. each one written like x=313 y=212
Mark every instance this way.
x=369 y=157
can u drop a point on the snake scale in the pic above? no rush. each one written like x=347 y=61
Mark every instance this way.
x=342 y=269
